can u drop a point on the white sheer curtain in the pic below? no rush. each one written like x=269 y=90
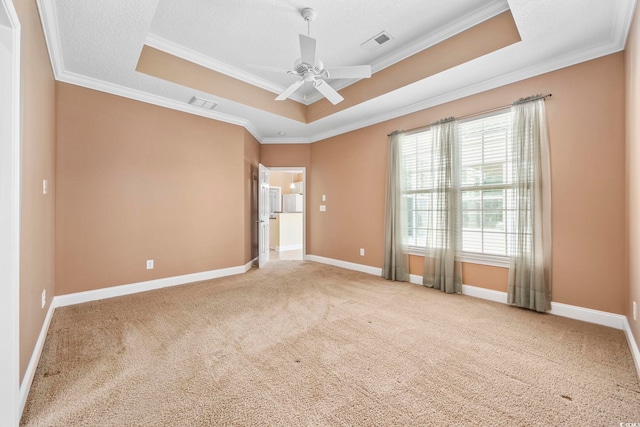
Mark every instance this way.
x=396 y=257
x=530 y=272
x=442 y=268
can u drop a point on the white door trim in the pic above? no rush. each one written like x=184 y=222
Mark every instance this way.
x=303 y=170
x=10 y=158
x=263 y=215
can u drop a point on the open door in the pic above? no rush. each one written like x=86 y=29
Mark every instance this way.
x=10 y=405
x=263 y=215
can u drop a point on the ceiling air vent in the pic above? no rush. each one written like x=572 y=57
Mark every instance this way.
x=203 y=103
x=377 y=41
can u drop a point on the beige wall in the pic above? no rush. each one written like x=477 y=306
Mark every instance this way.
x=282 y=180
x=286 y=155
x=479 y=40
x=38 y=163
x=350 y=170
x=138 y=182
x=632 y=71
x=165 y=66
x=493 y=34
x=586 y=126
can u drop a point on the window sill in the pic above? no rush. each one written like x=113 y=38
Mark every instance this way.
x=472 y=257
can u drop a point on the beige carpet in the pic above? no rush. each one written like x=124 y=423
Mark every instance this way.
x=304 y=344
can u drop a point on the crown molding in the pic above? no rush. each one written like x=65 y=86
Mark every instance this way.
x=623 y=21
x=191 y=55
x=464 y=23
x=624 y=16
x=49 y=20
x=505 y=79
x=283 y=140
x=470 y=20
x=540 y=68
x=137 y=95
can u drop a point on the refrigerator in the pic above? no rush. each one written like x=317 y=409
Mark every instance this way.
x=292 y=203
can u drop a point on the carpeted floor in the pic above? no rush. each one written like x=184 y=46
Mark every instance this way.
x=299 y=344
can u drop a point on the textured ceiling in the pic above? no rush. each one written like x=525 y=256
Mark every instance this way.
x=265 y=32
x=97 y=44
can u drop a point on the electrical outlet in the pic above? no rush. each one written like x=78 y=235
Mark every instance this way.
x=44 y=297
x=361 y=251
x=635 y=311
x=45 y=186
x=149 y=264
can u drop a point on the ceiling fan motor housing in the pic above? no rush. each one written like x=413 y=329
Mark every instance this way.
x=301 y=68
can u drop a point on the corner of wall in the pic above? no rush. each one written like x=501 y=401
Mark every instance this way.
x=632 y=173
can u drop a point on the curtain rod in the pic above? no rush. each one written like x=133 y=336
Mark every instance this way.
x=467 y=116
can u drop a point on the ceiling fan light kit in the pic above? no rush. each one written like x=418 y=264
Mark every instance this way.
x=311 y=69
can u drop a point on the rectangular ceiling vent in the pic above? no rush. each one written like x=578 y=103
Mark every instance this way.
x=203 y=103
x=377 y=41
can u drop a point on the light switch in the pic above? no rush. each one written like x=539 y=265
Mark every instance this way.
x=324 y=198
x=323 y=208
x=45 y=186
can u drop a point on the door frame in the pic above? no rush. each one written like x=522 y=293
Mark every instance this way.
x=303 y=170
x=10 y=170
x=263 y=215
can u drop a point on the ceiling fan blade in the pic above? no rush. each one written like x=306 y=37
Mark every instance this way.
x=267 y=68
x=289 y=91
x=355 y=72
x=307 y=50
x=328 y=92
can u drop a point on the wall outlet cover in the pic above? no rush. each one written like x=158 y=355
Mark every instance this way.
x=361 y=251
x=149 y=264
x=44 y=297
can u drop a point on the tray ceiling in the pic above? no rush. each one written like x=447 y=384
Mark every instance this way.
x=98 y=45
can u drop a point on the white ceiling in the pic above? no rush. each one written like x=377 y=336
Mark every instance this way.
x=96 y=43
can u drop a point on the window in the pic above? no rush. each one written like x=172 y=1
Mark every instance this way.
x=416 y=151
x=486 y=185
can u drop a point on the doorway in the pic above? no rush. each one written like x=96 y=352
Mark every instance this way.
x=287 y=213
x=9 y=212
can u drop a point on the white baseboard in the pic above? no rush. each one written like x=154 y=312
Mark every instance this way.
x=588 y=315
x=483 y=293
x=633 y=345
x=30 y=373
x=616 y=321
x=345 y=264
x=472 y=291
x=133 y=288
x=612 y=320
x=80 y=297
x=289 y=247
x=416 y=279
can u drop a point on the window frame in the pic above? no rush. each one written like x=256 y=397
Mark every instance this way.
x=467 y=256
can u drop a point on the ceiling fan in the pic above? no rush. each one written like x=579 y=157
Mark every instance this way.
x=311 y=69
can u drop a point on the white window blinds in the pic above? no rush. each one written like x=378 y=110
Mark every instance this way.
x=486 y=184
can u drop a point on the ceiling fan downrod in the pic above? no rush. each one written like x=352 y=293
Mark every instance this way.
x=309 y=15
